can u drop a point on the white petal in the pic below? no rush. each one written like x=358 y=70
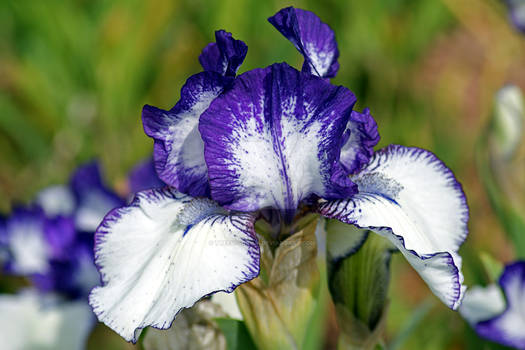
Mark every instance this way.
x=163 y=253
x=26 y=242
x=409 y=196
x=343 y=240
x=482 y=303
x=56 y=200
x=30 y=321
x=228 y=304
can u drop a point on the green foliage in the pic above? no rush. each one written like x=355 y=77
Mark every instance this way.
x=236 y=333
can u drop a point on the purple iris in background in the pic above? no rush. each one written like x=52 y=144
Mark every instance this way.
x=276 y=140
x=497 y=312
x=51 y=241
x=517 y=13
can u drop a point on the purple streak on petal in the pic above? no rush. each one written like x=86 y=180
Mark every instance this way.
x=224 y=56
x=508 y=328
x=143 y=176
x=271 y=124
x=314 y=39
x=358 y=141
x=93 y=198
x=178 y=149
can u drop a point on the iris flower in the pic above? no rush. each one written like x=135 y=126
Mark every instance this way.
x=51 y=241
x=271 y=140
x=497 y=312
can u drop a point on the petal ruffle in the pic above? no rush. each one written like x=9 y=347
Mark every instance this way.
x=314 y=39
x=224 y=56
x=358 y=141
x=273 y=139
x=178 y=150
x=409 y=196
x=163 y=253
x=93 y=198
x=508 y=328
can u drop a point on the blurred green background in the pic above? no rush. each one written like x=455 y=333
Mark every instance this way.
x=74 y=76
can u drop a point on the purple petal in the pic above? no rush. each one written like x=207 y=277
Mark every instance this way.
x=143 y=176
x=314 y=39
x=93 y=198
x=60 y=233
x=178 y=150
x=359 y=140
x=273 y=139
x=224 y=56
x=508 y=328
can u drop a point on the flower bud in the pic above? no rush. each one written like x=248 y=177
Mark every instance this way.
x=278 y=305
x=358 y=281
x=501 y=163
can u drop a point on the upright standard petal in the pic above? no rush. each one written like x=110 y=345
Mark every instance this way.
x=93 y=198
x=409 y=196
x=314 y=39
x=273 y=139
x=163 y=253
x=224 y=56
x=508 y=328
x=178 y=150
x=358 y=141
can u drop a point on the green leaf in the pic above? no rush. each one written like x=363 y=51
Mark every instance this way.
x=236 y=333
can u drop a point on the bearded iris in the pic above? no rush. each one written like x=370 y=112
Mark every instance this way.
x=271 y=140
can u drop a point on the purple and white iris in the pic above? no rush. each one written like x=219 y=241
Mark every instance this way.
x=51 y=241
x=273 y=139
x=497 y=312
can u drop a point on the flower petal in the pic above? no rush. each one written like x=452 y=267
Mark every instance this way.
x=314 y=39
x=273 y=139
x=360 y=138
x=343 y=240
x=482 y=303
x=508 y=328
x=31 y=321
x=178 y=150
x=224 y=56
x=409 y=196
x=163 y=253
x=143 y=177
x=93 y=198
x=25 y=240
x=56 y=200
